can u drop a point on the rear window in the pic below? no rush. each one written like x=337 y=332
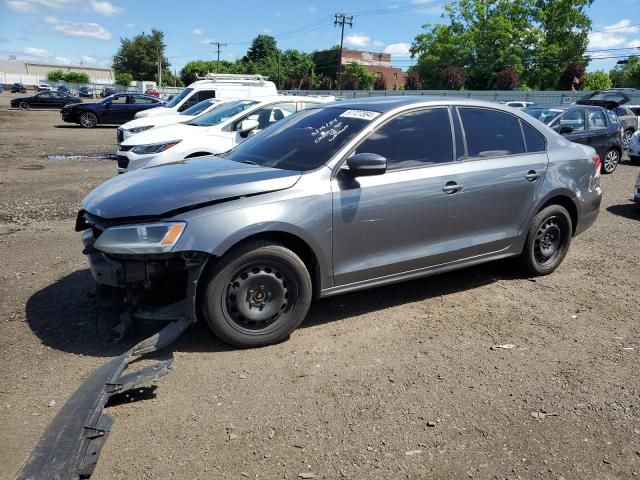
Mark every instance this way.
x=533 y=139
x=178 y=98
x=491 y=133
x=613 y=118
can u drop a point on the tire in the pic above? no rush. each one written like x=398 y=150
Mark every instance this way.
x=24 y=106
x=610 y=161
x=257 y=294
x=88 y=120
x=625 y=139
x=548 y=241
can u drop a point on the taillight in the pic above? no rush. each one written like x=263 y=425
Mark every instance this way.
x=597 y=163
x=594 y=180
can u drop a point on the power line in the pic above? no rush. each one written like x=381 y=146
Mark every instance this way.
x=342 y=20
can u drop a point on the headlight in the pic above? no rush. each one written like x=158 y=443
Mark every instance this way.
x=141 y=238
x=155 y=148
x=140 y=129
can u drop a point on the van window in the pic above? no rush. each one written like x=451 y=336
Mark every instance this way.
x=204 y=94
x=491 y=133
x=222 y=113
x=178 y=98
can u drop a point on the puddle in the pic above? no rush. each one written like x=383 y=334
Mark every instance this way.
x=32 y=167
x=95 y=156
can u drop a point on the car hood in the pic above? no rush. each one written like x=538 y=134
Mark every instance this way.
x=174 y=187
x=157 y=121
x=165 y=133
x=151 y=112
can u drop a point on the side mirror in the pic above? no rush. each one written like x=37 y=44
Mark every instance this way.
x=366 y=164
x=565 y=130
x=247 y=125
x=107 y=103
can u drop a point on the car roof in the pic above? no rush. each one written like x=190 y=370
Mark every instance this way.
x=564 y=107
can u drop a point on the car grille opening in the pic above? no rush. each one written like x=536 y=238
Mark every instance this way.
x=125 y=148
x=123 y=162
x=120 y=135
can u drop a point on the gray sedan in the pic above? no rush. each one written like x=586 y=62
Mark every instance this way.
x=338 y=198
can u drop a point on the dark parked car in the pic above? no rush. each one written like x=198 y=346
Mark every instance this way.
x=590 y=125
x=115 y=109
x=85 y=92
x=338 y=198
x=18 y=88
x=613 y=99
x=46 y=99
x=107 y=91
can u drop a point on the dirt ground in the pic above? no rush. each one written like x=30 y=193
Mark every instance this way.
x=396 y=382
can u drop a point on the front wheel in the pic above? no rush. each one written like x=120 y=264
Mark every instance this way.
x=548 y=240
x=611 y=160
x=88 y=120
x=23 y=106
x=257 y=294
x=626 y=138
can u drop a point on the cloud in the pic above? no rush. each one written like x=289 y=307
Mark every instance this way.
x=30 y=6
x=634 y=43
x=378 y=43
x=197 y=31
x=73 y=29
x=95 y=62
x=312 y=9
x=206 y=41
x=267 y=30
x=36 y=52
x=613 y=35
x=400 y=48
x=130 y=25
x=105 y=8
x=357 y=40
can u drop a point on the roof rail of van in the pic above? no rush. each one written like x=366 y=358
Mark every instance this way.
x=231 y=76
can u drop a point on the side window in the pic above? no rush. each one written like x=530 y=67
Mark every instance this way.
x=143 y=100
x=413 y=139
x=119 y=100
x=269 y=115
x=189 y=102
x=613 y=118
x=533 y=139
x=491 y=133
x=571 y=122
x=621 y=111
x=205 y=94
x=45 y=95
x=596 y=120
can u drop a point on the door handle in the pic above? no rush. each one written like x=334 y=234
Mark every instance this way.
x=451 y=187
x=532 y=176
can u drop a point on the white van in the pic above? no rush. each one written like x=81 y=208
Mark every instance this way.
x=219 y=86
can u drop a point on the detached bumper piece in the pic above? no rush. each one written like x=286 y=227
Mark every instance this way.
x=71 y=445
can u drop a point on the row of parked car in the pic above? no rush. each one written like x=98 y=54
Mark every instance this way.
x=249 y=204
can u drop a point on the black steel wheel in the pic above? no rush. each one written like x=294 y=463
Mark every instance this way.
x=24 y=106
x=626 y=138
x=88 y=120
x=610 y=161
x=548 y=240
x=257 y=294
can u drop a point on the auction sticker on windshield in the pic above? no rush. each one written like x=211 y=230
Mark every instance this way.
x=362 y=114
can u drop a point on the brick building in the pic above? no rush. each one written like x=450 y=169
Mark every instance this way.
x=375 y=62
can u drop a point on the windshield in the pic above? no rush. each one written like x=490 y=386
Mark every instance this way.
x=305 y=140
x=198 y=108
x=178 y=98
x=220 y=114
x=545 y=115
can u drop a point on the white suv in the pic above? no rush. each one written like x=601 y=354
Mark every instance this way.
x=215 y=132
x=138 y=125
x=218 y=86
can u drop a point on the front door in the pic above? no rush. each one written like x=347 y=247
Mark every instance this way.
x=117 y=110
x=600 y=135
x=408 y=218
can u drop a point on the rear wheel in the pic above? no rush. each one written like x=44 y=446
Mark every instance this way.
x=610 y=161
x=547 y=241
x=88 y=120
x=24 y=106
x=257 y=294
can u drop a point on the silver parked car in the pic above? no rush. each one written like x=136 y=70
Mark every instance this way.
x=338 y=198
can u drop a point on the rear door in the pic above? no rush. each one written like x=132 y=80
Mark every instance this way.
x=601 y=135
x=572 y=125
x=137 y=103
x=505 y=165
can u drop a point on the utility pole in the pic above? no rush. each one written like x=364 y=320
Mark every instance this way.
x=342 y=20
x=218 y=45
x=159 y=68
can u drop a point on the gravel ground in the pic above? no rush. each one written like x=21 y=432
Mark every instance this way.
x=404 y=381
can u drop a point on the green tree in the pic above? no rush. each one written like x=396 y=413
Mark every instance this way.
x=627 y=74
x=364 y=77
x=139 y=56
x=56 y=75
x=76 y=77
x=597 y=80
x=262 y=47
x=124 y=79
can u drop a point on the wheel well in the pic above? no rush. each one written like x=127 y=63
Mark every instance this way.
x=198 y=154
x=568 y=205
